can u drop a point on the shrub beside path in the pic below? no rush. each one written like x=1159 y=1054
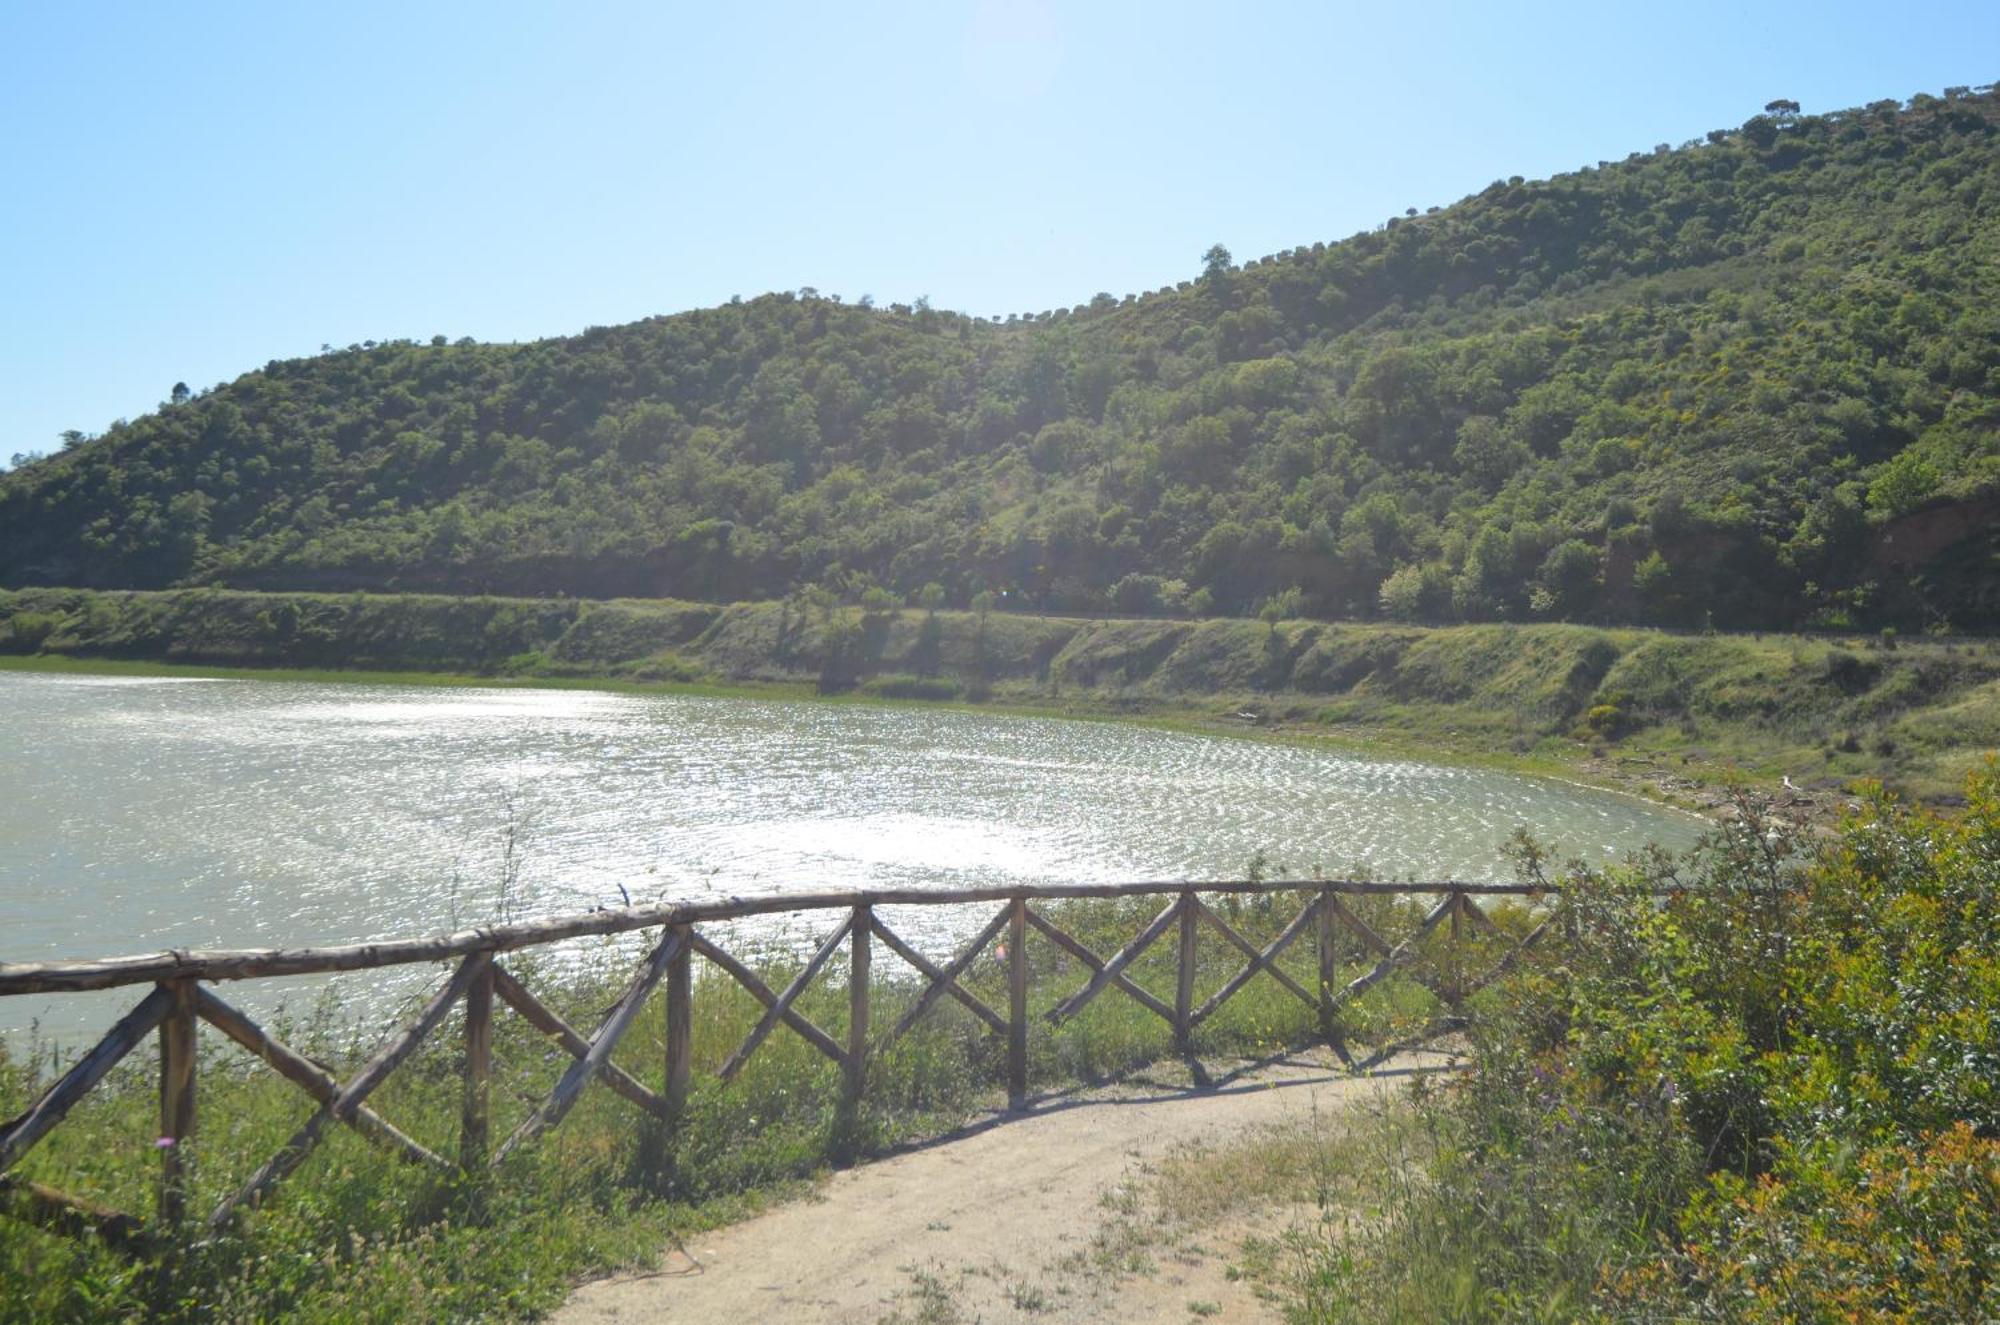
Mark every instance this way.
x=1014 y=1218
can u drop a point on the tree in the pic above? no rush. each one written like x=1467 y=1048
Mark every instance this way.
x=1414 y=593
x=1653 y=578
x=179 y=395
x=1215 y=267
x=1903 y=484
x=1567 y=579
x=1278 y=607
x=982 y=607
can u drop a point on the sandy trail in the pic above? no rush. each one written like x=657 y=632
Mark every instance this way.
x=994 y=1223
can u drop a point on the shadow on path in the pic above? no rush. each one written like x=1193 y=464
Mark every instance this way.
x=1086 y=1095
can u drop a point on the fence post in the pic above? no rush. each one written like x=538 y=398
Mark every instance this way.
x=656 y=1147
x=1017 y=1002
x=475 y=1120
x=1327 y=965
x=1184 y=982
x=857 y=1003
x=680 y=1026
x=1456 y=981
x=177 y=1074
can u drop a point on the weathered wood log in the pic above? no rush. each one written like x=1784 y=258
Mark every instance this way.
x=1397 y=957
x=1096 y=964
x=1184 y=976
x=952 y=970
x=569 y=1088
x=177 y=1101
x=475 y=1118
x=1329 y=966
x=18 y=1136
x=1455 y=948
x=315 y=1080
x=860 y=959
x=746 y=977
x=936 y=975
x=1511 y=959
x=245 y=964
x=343 y=1106
x=1263 y=959
x=772 y=1014
x=1454 y=1020
x=538 y=1014
x=1451 y=989
x=1329 y=960
x=1476 y=914
x=73 y=1216
x=1111 y=969
x=1359 y=927
x=680 y=1026
x=1017 y=915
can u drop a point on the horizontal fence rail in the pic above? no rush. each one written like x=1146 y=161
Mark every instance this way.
x=180 y=996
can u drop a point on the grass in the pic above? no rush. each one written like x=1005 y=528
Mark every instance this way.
x=357 y=1235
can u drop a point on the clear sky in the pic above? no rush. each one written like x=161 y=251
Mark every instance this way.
x=189 y=190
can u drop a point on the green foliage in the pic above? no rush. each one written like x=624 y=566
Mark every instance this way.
x=26 y=632
x=1771 y=355
x=1760 y=1084
x=1903 y=484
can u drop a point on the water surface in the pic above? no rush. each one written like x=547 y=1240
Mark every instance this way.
x=140 y=813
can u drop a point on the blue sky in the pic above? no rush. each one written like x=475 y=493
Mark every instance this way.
x=192 y=190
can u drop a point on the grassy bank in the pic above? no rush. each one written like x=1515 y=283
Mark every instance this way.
x=357 y=1235
x=1671 y=713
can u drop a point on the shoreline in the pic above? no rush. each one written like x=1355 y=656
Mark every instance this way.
x=1682 y=721
x=1187 y=718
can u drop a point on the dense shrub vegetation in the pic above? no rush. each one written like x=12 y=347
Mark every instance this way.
x=1750 y=380
x=1774 y=1096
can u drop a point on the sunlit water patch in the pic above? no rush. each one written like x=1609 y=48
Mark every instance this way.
x=137 y=814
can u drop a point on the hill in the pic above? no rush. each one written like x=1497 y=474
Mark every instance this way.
x=1748 y=382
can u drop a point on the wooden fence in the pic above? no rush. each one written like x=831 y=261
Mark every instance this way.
x=182 y=993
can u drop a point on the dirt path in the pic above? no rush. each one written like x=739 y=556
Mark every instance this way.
x=1005 y=1221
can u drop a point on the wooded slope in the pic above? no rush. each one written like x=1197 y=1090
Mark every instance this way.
x=1749 y=381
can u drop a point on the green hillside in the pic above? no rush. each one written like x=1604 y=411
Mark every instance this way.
x=1752 y=381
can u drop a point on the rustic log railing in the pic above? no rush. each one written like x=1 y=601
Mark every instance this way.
x=181 y=995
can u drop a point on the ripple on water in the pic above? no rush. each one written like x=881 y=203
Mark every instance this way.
x=138 y=812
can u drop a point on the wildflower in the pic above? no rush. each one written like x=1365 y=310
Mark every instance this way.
x=164 y=1143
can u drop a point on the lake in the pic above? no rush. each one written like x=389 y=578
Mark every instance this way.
x=138 y=813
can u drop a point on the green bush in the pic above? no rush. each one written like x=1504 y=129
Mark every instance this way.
x=1769 y=1093
x=26 y=632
